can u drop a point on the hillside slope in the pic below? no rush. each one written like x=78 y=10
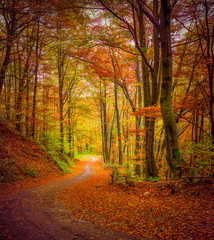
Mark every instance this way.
x=23 y=158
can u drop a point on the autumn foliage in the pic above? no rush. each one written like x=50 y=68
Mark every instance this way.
x=161 y=210
x=24 y=163
x=128 y=80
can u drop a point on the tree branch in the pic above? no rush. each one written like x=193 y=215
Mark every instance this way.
x=149 y=16
x=132 y=31
x=173 y=5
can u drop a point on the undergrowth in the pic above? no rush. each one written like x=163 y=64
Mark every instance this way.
x=9 y=171
x=52 y=147
x=30 y=172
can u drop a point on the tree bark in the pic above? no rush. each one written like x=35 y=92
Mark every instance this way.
x=111 y=138
x=61 y=74
x=70 y=129
x=104 y=123
x=120 y=150
x=118 y=124
x=173 y=154
x=23 y=74
x=8 y=88
x=138 y=138
x=150 y=95
x=35 y=82
x=210 y=67
x=11 y=28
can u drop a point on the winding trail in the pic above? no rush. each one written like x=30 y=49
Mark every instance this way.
x=35 y=214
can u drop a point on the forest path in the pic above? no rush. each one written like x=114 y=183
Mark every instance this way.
x=35 y=214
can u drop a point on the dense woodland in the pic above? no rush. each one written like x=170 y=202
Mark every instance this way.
x=129 y=79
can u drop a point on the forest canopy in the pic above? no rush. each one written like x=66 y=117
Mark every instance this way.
x=129 y=79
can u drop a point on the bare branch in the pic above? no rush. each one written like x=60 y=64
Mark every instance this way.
x=173 y=5
x=133 y=33
x=183 y=25
x=149 y=16
x=115 y=46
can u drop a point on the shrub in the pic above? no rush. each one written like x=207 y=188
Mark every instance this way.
x=30 y=172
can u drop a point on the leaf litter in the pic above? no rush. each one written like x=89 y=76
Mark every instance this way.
x=185 y=214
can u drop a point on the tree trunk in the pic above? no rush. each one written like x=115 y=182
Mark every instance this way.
x=138 y=138
x=118 y=124
x=173 y=155
x=11 y=28
x=111 y=138
x=21 y=87
x=61 y=73
x=27 y=107
x=149 y=96
x=104 y=124
x=70 y=135
x=45 y=96
x=19 y=104
x=210 y=66
x=35 y=83
x=117 y=109
x=8 y=88
x=127 y=137
x=152 y=170
x=61 y=113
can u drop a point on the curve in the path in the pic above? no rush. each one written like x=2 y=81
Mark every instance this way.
x=35 y=214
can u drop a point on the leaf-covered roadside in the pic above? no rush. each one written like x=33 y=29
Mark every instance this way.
x=10 y=189
x=159 y=214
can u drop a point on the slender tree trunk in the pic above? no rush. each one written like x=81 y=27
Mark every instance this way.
x=35 y=83
x=127 y=137
x=117 y=109
x=8 y=89
x=61 y=112
x=211 y=100
x=11 y=28
x=118 y=124
x=15 y=81
x=149 y=93
x=103 y=128
x=44 y=126
x=23 y=84
x=61 y=74
x=173 y=155
x=4 y=66
x=150 y=160
x=196 y=124
x=70 y=136
x=201 y=127
x=27 y=99
x=20 y=94
x=111 y=138
x=210 y=67
x=125 y=127
x=146 y=89
x=104 y=123
x=70 y=129
x=138 y=138
x=19 y=104
x=27 y=107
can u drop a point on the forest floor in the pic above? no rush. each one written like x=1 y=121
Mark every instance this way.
x=89 y=207
x=35 y=213
x=161 y=210
x=85 y=205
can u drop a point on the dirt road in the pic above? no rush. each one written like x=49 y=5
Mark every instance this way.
x=35 y=214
